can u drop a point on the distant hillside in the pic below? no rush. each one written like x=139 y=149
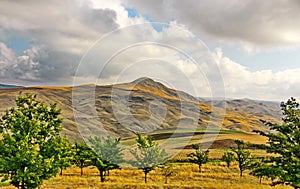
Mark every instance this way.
x=4 y=86
x=139 y=96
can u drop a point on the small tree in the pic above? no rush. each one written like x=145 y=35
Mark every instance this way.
x=30 y=143
x=66 y=155
x=228 y=157
x=242 y=156
x=148 y=155
x=108 y=155
x=260 y=169
x=83 y=155
x=167 y=170
x=198 y=157
x=284 y=143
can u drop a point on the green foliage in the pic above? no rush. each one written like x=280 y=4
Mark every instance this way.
x=30 y=144
x=83 y=155
x=148 y=155
x=167 y=170
x=108 y=154
x=242 y=156
x=198 y=157
x=284 y=143
x=228 y=157
x=261 y=169
x=66 y=154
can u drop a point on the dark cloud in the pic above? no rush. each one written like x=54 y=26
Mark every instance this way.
x=60 y=32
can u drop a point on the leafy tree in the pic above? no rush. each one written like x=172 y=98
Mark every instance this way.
x=198 y=157
x=108 y=155
x=66 y=155
x=148 y=155
x=30 y=144
x=284 y=144
x=228 y=157
x=260 y=169
x=167 y=170
x=83 y=155
x=242 y=156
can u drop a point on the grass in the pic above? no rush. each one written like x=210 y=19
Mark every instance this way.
x=214 y=175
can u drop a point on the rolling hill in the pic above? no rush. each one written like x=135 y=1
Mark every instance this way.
x=144 y=105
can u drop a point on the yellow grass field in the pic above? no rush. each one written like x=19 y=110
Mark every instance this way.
x=213 y=175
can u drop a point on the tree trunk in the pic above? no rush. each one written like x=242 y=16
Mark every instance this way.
x=145 y=177
x=101 y=176
x=200 y=168
x=260 y=180
x=61 y=170
x=81 y=171
x=166 y=180
x=241 y=173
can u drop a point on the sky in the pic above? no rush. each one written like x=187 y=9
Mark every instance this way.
x=233 y=49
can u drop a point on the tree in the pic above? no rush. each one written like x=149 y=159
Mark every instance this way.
x=66 y=155
x=148 y=155
x=284 y=144
x=83 y=155
x=167 y=170
x=228 y=157
x=198 y=157
x=30 y=144
x=260 y=169
x=108 y=154
x=242 y=156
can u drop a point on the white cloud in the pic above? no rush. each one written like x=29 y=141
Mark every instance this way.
x=240 y=82
x=250 y=23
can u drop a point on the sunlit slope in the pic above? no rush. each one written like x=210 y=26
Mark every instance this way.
x=123 y=109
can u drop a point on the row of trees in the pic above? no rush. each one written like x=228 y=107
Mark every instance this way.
x=32 y=149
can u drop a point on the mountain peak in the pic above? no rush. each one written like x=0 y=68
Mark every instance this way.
x=147 y=82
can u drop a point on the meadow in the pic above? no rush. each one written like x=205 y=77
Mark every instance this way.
x=214 y=175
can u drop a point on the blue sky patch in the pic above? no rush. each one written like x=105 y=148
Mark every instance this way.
x=132 y=12
x=18 y=44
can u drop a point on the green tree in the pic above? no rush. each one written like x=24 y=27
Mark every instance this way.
x=260 y=169
x=242 y=156
x=108 y=155
x=284 y=144
x=228 y=157
x=148 y=155
x=167 y=170
x=198 y=157
x=30 y=144
x=83 y=155
x=66 y=154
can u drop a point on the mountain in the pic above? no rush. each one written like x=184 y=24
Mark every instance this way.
x=5 y=86
x=144 y=105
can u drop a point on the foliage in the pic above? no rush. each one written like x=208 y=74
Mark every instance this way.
x=167 y=170
x=66 y=154
x=83 y=155
x=108 y=154
x=228 y=157
x=198 y=157
x=148 y=155
x=260 y=169
x=242 y=156
x=284 y=143
x=30 y=144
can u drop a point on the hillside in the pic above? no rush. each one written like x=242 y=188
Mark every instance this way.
x=144 y=106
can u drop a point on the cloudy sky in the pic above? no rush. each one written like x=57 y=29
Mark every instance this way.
x=236 y=49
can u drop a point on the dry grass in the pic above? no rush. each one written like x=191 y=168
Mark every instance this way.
x=213 y=175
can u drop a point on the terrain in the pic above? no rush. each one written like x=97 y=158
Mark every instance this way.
x=145 y=105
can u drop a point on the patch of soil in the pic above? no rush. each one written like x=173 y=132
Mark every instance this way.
x=224 y=143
